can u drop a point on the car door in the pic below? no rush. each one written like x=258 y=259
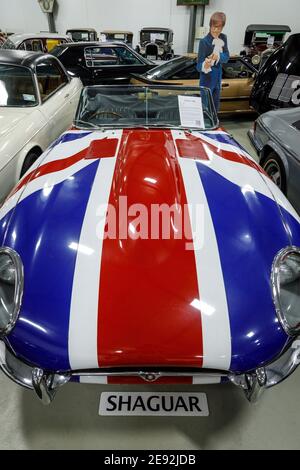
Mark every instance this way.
x=59 y=96
x=237 y=83
x=73 y=59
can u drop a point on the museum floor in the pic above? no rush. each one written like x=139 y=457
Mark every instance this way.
x=72 y=421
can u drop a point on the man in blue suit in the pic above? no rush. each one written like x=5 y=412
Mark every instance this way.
x=213 y=52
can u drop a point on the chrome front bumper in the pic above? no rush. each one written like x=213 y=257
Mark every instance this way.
x=46 y=384
x=254 y=141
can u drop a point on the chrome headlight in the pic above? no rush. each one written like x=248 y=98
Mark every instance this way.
x=11 y=289
x=286 y=288
x=256 y=59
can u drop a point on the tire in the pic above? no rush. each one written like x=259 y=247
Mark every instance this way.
x=274 y=168
x=29 y=161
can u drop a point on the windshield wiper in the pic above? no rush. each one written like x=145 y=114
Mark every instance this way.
x=86 y=123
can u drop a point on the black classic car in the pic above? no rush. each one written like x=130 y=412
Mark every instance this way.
x=261 y=40
x=156 y=43
x=82 y=34
x=278 y=81
x=101 y=63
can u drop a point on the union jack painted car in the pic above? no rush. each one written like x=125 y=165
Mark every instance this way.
x=88 y=295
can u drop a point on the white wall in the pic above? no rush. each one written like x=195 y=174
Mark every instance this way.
x=26 y=16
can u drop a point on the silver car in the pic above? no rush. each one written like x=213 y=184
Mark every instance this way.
x=276 y=138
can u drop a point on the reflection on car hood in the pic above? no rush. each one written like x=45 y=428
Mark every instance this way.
x=167 y=301
x=11 y=117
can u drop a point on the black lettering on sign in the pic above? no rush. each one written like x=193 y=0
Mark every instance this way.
x=112 y=403
x=151 y=406
x=168 y=403
x=139 y=403
x=181 y=404
x=194 y=404
x=124 y=402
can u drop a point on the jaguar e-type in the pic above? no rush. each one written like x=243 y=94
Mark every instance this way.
x=146 y=245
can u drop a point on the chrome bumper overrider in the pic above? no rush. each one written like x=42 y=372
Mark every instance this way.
x=46 y=384
x=266 y=377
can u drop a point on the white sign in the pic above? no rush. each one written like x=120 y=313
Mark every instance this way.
x=153 y=404
x=191 y=111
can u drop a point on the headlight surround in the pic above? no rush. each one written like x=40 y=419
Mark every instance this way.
x=11 y=289
x=285 y=280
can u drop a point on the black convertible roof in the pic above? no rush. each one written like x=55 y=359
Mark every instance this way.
x=25 y=58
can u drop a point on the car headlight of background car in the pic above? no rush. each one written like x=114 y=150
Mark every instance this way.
x=286 y=289
x=11 y=289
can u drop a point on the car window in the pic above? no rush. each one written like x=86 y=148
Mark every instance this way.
x=51 y=43
x=99 y=56
x=187 y=73
x=126 y=57
x=32 y=45
x=236 y=69
x=17 y=86
x=50 y=78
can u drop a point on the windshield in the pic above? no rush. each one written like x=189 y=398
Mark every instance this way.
x=8 y=44
x=79 y=35
x=153 y=106
x=153 y=36
x=16 y=86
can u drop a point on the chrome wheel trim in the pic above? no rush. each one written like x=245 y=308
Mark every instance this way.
x=272 y=168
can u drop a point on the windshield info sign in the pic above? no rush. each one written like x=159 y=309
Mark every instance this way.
x=191 y=111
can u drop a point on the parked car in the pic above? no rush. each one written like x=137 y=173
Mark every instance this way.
x=119 y=36
x=82 y=34
x=276 y=137
x=38 y=100
x=101 y=63
x=262 y=38
x=278 y=81
x=176 y=304
x=156 y=43
x=38 y=42
x=237 y=82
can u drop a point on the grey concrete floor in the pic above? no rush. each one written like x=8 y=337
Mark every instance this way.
x=72 y=421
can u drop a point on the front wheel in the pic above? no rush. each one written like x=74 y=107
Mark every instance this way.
x=274 y=168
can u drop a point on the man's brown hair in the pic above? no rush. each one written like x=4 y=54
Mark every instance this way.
x=217 y=17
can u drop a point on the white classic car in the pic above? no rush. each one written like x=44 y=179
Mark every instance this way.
x=38 y=42
x=38 y=100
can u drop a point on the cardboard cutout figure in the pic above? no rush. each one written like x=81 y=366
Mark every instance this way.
x=213 y=52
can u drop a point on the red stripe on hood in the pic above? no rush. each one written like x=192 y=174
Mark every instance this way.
x=147 y=286
x=199 y=149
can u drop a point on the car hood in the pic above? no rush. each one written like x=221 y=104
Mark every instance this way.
x=10 y=118
x=97 y=297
